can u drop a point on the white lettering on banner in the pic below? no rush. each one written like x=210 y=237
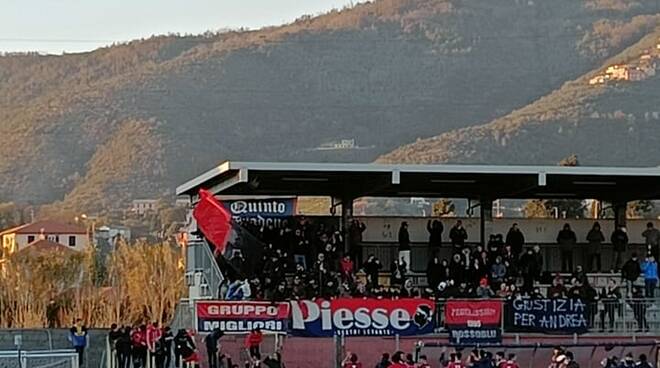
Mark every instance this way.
x=271 y=207
x=242 y=326
x=345 y=319
x=259 y=221
x=468 y=312
x=556 y=305
x=242 y=310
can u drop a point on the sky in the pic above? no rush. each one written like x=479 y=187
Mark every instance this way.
x=56 y=26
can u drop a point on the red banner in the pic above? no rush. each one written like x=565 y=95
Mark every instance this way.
x=473 y=312
x=242 y=316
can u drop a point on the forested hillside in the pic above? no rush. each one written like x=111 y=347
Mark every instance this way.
x=614 y=124
x=96 y=129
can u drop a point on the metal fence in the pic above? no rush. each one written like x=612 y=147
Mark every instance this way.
x=39 y=359
x=200 y=261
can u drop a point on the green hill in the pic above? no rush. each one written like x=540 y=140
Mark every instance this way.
x=612 y=124
x=92 y=130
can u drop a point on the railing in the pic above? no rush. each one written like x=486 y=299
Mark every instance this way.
x=49 y=358
x=200 y=260
x=625 y=316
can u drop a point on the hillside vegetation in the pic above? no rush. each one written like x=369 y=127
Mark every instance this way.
x=92 y=130
x=613 y=124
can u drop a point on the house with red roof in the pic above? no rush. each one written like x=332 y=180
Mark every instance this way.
x=72 y=237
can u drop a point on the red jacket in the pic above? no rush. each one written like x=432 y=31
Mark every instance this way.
x=253 y=339
x=346 y=266
x=138 y=338
x=153 y=334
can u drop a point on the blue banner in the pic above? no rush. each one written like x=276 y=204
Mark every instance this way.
x=262 y=211
x=559 y=316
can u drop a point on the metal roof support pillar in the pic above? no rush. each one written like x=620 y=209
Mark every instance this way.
x=485 y=220
x=620 y=213
x=345 y=222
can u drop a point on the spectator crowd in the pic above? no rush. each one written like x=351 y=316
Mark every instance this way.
x=306 y=260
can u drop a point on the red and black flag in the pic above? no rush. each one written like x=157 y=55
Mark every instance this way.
x=227 y=237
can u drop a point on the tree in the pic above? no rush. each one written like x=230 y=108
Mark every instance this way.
x=443 y=207
x=536 y=208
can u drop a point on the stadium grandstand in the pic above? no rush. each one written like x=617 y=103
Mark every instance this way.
x=519 y=264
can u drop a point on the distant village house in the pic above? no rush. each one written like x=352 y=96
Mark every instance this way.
x=44 y=233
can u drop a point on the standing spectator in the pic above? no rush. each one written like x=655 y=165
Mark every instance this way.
x=652 y=239
x=595 y=238
x=398 y=272
x=123 y=346
x=650 y=269
x=52 y=314
x=113 y=336
x=139 y=342
x=253 y=344
x=638 y=305
x=435 y=230
x=79 y=339
x=515 y=239
x=610 y=297
x=384 y=361
x=355 y=236
x=423 y=362
x=167 y=339
x=372 y=268
x=643 y=362
x=184 y=347
x=301 y=248
x=528 y=269
x=351 y=361
x=404 y=243
x=619 y=243
x=630 y=272
x=566 y=240
x=538 y=263
x=153 y=335
x=434 y=273
x=212 y=341
x=458 y=235
x=347 y=269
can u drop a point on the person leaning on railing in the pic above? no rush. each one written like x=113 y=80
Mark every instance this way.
x=609 y=299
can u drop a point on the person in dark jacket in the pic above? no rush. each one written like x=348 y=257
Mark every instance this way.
x=404 y=243
x=566 y=239
x=123 y=347
x=595 y=238
x=434 y=272
x=355 y=236
x=515 y=239
x=184 y=346
x=619 y=240
x=212 y=341
x=639 y=306
x=631 y=271
x=166 y=339
x=458 y=235
x=610 y=297
x=371 y=268
x=435 y=229
x=528 y=269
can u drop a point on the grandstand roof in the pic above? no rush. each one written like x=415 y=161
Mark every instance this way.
x=459 y=181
